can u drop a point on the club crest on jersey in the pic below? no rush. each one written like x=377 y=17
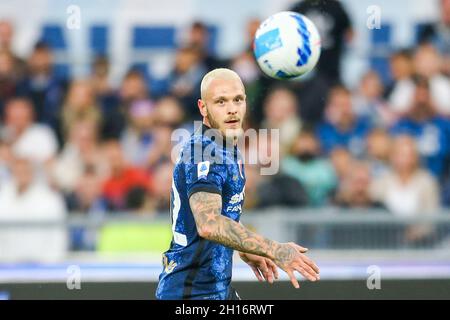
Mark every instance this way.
x=202 y=169
x=168 y=266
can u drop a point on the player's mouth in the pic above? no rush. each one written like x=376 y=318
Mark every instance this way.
x=232 y=122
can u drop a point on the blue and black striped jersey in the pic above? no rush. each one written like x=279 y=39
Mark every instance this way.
x=193 y=267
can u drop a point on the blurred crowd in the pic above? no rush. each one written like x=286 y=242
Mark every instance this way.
x=83 y=145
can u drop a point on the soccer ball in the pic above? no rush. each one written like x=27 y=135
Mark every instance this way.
x=287 y=45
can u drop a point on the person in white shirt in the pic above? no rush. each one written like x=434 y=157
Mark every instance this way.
x=81 y=150
x=28 y=201
x=427 y=63
x=27 y=139
x=407 y=190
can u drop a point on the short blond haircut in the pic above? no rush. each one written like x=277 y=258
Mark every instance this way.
x=219 y=73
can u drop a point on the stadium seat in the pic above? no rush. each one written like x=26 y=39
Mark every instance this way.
x=99 y=39
x=381 y=36
x=53 y=35
x=380 y=51
x=153 y=37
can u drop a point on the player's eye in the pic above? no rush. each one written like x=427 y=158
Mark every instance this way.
x=220 y=102
x=238 y=99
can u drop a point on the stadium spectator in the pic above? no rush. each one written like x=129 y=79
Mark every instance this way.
x=162 y=185
x=6 y=45
x=257 y=85
x=342 y=161
x=169 y=115
x=80 y=105
x=99 y=78
x=438 y=34
x=342 y=128
x=8 y=79
x=126 y=187
x=335 y=29
x=137 y=138
x=184 y=79
x=27 y=138
x=80 y=151
x=430 y=130
x=43 y=87
x=402 y=70
x=426 y=63
x=281 y=190
x=252 y=181
x=161 y=150
x=6 y=35
x=6 y=158
x=24 y=198
x=170 y=112
x=114 y=110
x=86 y=199
x=251 y=27
x=315 y=173
x=274 y=188
x=245 y=65
x=369 y=103
x=312 y=92
x=86 y=196
x=133 y=88
x=281 y=112
x=354 y=188
x=199 y=36
x=408 y=189
x=378 y=151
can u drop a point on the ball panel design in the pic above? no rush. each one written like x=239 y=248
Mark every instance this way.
x=287 y=45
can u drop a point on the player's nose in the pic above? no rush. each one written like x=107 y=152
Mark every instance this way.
x=232 y=108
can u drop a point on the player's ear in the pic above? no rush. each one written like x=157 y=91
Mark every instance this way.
x=202 y=107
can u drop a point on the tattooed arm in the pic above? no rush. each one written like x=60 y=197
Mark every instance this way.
x=212 y=225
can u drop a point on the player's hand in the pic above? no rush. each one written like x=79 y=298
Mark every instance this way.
x=290 y=257
x=264 y=268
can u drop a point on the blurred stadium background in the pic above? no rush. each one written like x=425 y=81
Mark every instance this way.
x=91 y=91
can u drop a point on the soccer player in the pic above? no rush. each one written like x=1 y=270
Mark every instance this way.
x=207 y=197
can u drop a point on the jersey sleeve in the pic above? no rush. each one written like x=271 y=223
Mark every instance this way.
x=206 y=173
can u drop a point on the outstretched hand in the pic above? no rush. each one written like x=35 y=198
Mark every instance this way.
x=290 y=257
x=263 y=268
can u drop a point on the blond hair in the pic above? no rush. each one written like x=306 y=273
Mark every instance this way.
x=219 y=73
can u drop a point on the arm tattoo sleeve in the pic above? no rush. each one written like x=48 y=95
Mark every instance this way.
x=207 y=207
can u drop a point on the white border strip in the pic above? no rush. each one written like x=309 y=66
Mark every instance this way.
x=241 y=272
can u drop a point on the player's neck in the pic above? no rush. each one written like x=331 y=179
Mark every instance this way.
x=218 y=134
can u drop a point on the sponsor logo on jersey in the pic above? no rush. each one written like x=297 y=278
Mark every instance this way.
x=238 y=197
x=234 y=205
